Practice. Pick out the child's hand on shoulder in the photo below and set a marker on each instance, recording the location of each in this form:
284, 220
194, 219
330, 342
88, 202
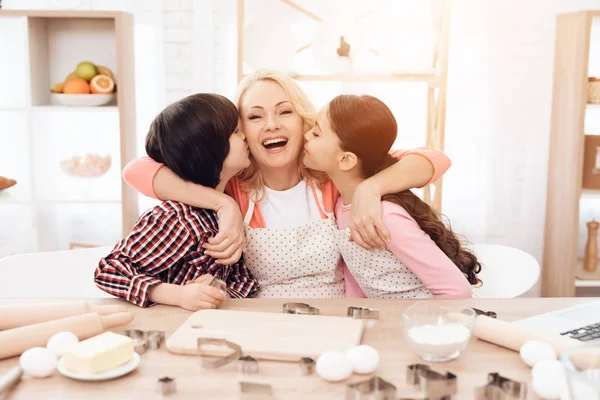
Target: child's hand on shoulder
198, 296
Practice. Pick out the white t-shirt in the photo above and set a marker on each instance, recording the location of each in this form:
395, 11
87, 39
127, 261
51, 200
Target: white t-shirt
289, 208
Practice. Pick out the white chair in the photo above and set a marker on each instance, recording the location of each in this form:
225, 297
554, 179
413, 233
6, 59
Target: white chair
55, 274
507, 271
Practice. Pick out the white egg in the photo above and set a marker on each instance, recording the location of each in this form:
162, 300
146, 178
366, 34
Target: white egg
333, 366
535, 351
62, 342
38, 362
364, 359
551, 369
548, 389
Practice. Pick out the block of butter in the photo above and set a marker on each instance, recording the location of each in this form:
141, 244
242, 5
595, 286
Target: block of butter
99, 354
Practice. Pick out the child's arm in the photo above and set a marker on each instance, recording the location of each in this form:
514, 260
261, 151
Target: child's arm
423, 257
415, 168
193, 297
155, 180
158, 242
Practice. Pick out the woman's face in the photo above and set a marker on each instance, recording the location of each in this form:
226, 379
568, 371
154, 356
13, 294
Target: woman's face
238, 157
274, 130
322, 148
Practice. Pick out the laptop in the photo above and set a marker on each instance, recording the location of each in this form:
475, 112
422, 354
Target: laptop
581, 322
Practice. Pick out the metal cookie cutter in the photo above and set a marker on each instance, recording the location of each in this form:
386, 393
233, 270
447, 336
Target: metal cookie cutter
501, 388
299, 308
432, 384
363, 313
252, 390
219, 284
247, 365
144, 340
216, 362
307, 365
491, 314
166, 385
371, 389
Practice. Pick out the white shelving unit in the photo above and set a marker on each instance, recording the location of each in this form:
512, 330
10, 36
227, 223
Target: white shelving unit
48, 209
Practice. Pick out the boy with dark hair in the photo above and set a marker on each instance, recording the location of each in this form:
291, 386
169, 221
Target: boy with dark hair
163, 259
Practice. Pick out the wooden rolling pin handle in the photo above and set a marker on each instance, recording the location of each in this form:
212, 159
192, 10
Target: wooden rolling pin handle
12, 377
513, 337
117, 319
107, 309
14, 316
13, 342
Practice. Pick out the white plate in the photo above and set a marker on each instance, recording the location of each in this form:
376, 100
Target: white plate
82, 100
112, 374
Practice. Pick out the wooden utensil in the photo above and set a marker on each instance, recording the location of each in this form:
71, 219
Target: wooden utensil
15, 341
590, 260
271, 336
13, 316
513, 336
12, 377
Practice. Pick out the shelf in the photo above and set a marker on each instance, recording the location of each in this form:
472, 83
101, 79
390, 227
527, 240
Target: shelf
422, 76
428, 75
56, 108
586, 279
587, 283
590, 194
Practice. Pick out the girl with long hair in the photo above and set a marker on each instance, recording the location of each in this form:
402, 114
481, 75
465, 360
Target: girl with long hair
350, 142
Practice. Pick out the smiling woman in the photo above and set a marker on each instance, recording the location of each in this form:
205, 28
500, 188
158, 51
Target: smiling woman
286, 208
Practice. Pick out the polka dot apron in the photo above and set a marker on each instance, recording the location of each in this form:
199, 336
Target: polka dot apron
301, 262
379, 273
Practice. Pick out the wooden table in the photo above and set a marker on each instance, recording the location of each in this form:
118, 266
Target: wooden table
194, 382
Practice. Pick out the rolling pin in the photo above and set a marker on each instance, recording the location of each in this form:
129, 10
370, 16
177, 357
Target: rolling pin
8, 381
513, 337
14, 316
15, 341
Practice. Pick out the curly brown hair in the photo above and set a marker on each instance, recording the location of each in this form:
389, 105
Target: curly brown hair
366, 127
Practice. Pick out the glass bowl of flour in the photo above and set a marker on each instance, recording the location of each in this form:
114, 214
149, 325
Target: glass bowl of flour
438, 333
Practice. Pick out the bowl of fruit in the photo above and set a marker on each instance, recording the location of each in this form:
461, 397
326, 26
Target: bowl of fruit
90, 85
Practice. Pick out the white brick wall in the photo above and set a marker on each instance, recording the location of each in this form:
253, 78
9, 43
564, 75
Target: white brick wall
178, 48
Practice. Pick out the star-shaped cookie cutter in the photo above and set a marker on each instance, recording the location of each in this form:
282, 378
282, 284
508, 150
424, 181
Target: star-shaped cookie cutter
499, 387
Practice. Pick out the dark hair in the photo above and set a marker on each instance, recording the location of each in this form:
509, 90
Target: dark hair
367, 128
191, 137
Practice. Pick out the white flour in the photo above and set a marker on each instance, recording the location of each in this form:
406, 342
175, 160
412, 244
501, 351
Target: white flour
439, 340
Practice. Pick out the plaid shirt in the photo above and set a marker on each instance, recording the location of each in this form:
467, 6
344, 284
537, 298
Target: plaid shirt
165, 246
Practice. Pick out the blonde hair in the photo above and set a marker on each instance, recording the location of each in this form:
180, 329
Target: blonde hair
251, 178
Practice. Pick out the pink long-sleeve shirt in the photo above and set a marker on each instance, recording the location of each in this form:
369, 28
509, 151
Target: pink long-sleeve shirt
415, 249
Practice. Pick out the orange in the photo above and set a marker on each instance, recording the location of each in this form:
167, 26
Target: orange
72, 75
102, 84
76, 86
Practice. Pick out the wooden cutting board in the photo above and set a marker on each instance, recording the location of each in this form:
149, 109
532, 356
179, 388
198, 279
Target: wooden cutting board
270, 336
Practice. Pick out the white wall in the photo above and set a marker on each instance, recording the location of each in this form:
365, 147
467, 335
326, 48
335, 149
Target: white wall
499, 109
499, 98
